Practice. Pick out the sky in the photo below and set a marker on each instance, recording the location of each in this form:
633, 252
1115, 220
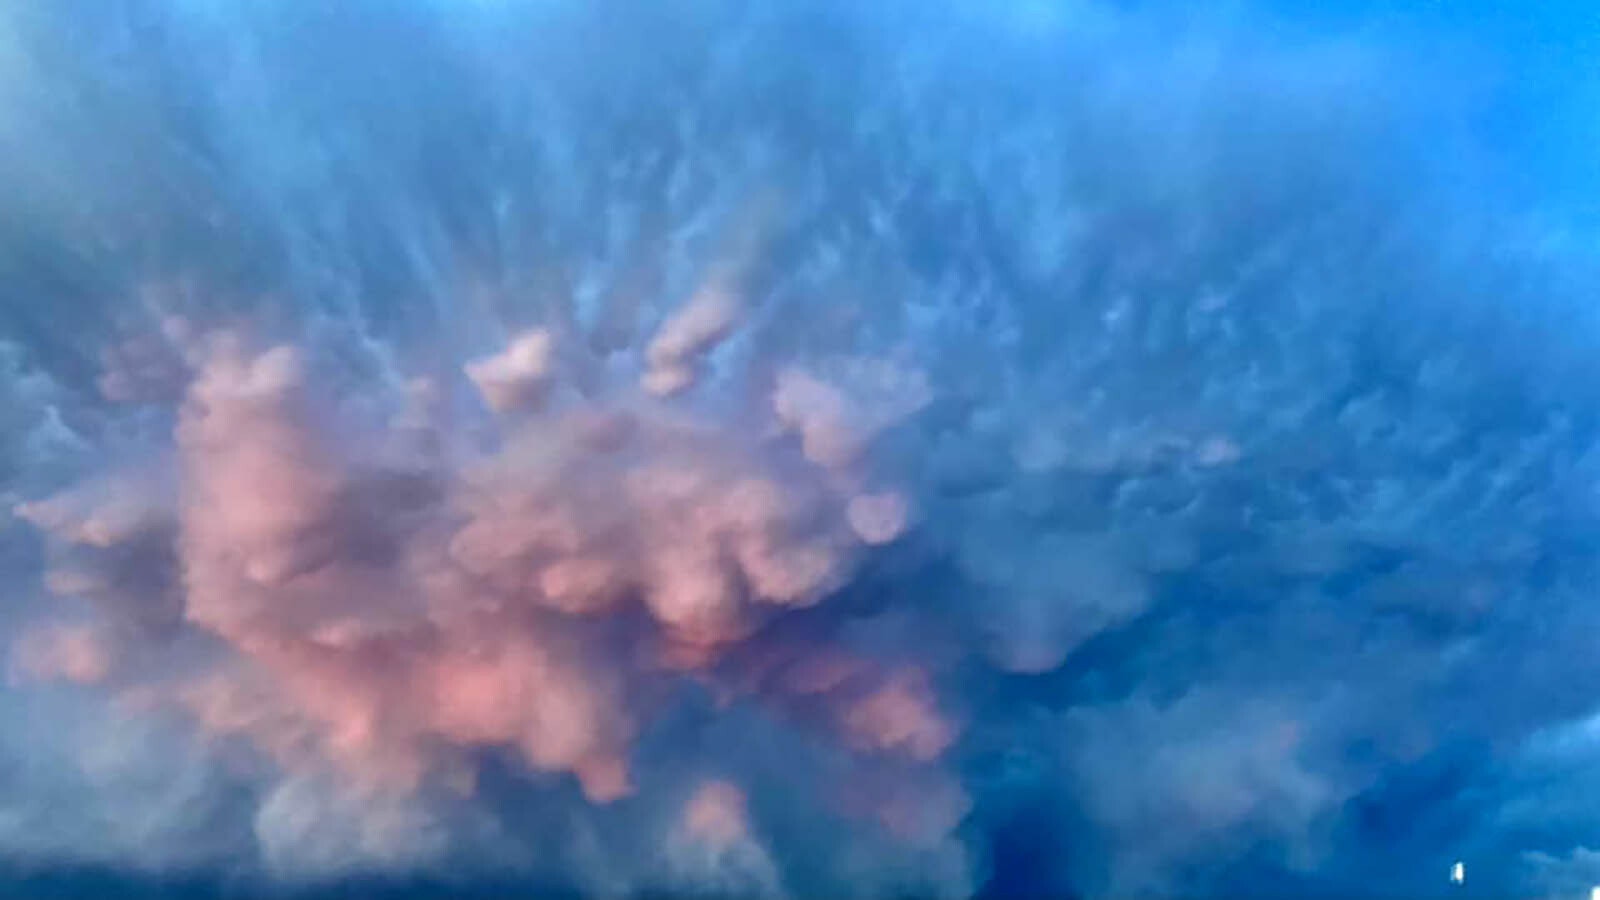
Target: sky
1055, 448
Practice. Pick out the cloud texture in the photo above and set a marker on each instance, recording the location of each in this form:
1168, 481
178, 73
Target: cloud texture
762, 450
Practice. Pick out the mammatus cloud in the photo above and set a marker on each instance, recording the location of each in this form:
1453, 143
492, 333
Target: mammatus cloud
726, 448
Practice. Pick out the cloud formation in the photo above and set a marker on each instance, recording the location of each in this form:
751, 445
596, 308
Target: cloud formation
740, 449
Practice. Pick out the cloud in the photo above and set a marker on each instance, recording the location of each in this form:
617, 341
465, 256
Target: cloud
777, 451
515, 378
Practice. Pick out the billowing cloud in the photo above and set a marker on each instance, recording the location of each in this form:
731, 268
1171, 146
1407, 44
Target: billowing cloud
752, 450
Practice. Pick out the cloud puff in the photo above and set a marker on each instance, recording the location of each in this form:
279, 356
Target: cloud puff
517, 377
